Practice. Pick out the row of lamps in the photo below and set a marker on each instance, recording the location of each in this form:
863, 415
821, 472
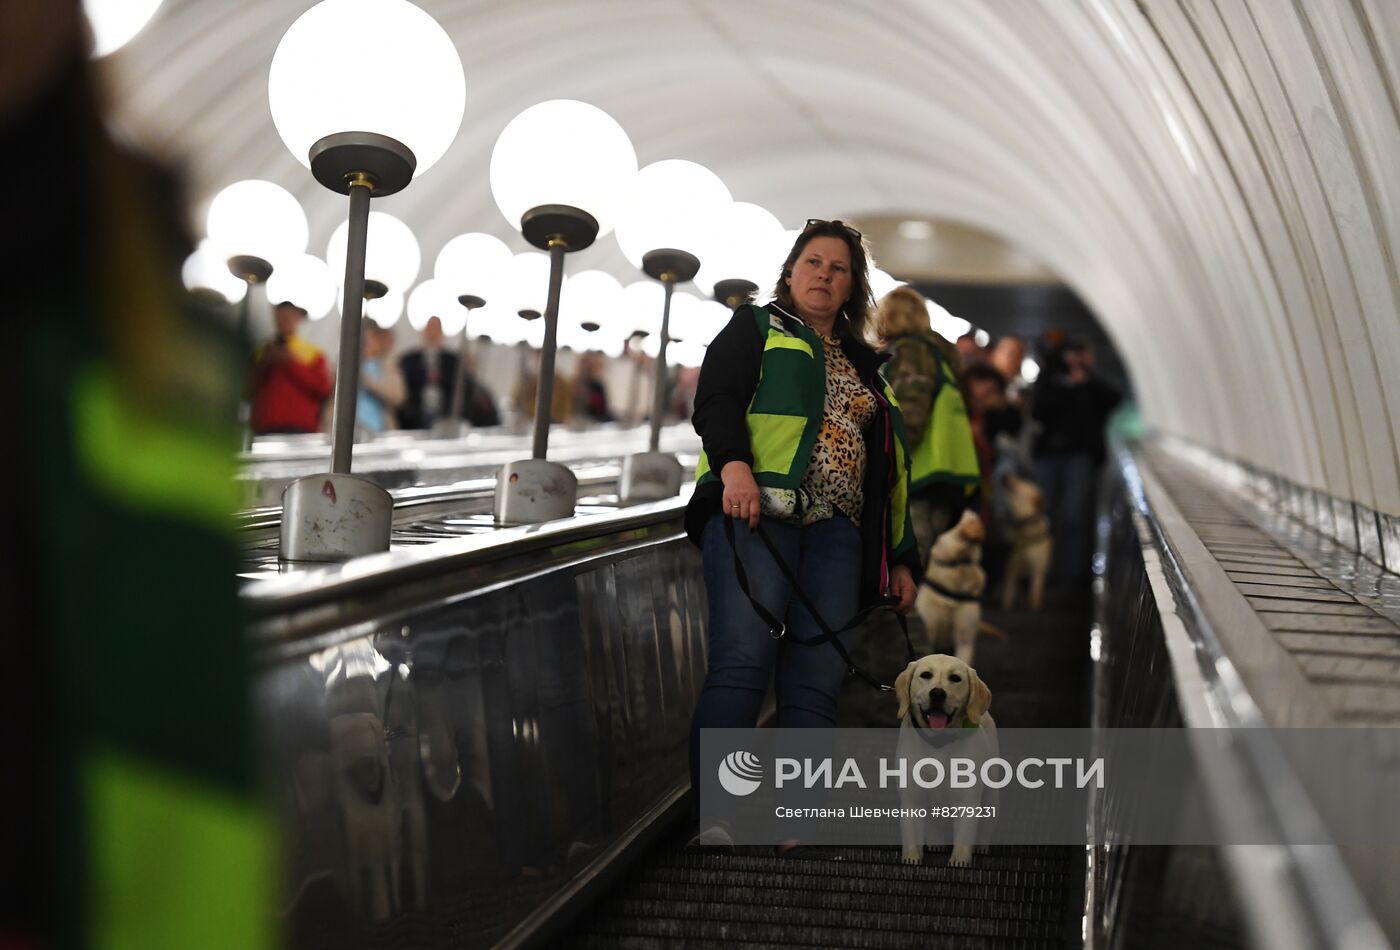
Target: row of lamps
668, 217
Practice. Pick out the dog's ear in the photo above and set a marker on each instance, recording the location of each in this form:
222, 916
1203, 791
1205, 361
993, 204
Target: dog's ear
901, 689
981, 699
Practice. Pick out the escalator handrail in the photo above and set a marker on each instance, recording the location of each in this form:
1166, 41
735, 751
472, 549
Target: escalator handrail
1316, 877
364, 577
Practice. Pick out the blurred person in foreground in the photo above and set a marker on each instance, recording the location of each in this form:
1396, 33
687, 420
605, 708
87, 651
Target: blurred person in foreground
802, 437
132, 813
290, 380
1072, 405
923, 372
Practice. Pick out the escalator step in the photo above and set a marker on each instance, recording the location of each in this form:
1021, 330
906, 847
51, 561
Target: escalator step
757, 925
1038, 904
998, 920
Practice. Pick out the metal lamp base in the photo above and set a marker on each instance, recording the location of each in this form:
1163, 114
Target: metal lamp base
576, 227
667, 263
248, 268
734, 292
534, 490
389, 162
334, 518
650, 476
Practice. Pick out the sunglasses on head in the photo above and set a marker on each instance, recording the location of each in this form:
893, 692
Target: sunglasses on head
813, 222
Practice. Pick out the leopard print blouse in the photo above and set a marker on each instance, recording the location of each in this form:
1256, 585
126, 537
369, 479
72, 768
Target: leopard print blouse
834, 474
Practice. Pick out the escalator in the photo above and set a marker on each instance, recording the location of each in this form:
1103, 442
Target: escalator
1011, 897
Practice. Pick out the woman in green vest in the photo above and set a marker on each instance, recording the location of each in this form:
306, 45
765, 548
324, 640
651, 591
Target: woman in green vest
923, 371
802, 436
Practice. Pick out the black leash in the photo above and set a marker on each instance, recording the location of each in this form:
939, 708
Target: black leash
777, 629
951, 595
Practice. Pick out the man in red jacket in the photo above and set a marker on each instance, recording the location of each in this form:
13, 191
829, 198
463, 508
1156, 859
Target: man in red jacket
290, 378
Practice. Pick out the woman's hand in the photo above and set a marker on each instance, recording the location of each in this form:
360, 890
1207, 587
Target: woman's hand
902, 586
740, 493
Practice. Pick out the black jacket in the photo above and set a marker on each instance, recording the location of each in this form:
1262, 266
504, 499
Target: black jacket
479, 408
728, 378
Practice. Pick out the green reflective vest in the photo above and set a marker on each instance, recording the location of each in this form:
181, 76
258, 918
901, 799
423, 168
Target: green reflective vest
786, 412
947, 452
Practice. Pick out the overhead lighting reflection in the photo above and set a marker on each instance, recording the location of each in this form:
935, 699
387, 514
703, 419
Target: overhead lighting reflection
915, 230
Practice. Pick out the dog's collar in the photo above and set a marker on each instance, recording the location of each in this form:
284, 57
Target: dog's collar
940, 737
938, 588
961, 562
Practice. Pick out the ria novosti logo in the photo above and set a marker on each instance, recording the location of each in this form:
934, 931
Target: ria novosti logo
740, 773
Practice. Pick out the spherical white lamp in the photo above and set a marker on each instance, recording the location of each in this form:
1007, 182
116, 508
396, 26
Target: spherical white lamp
530, 171
743, 260
205, 270
392, 256
352, 78
672, 205
116, 22
433, 298
639, 308
697, 321
527, 279
593, 300
306, 281
385, 310
257, 225
498, 322
474, 264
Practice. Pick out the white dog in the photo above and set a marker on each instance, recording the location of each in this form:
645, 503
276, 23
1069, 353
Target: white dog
949, 600
943, 715
1030, 541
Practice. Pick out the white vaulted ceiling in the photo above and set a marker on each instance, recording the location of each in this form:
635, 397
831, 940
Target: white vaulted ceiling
1218, 180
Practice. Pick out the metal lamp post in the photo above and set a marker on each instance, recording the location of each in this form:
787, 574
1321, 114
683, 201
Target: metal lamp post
673, 211
363, 147
560, 207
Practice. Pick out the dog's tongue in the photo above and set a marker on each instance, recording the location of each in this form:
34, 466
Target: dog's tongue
937, 720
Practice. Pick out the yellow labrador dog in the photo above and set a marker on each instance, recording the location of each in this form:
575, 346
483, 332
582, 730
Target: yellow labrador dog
943, 715
1030, 541
949, 600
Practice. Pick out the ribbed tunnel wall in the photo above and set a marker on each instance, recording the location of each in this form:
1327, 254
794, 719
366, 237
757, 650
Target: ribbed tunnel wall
1216, 179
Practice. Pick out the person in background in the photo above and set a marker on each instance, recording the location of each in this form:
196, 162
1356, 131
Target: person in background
1006, 356
381, 384
804, 441
430, 380
1072, 405
589, 393
561, 400
970, 350
924, 375
290, 379
133, 813
429, 373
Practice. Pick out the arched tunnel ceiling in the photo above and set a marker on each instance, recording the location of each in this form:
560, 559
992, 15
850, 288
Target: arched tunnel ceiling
1216, 179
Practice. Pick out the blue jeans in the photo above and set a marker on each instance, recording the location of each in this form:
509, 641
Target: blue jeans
743, 657
1068, 483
